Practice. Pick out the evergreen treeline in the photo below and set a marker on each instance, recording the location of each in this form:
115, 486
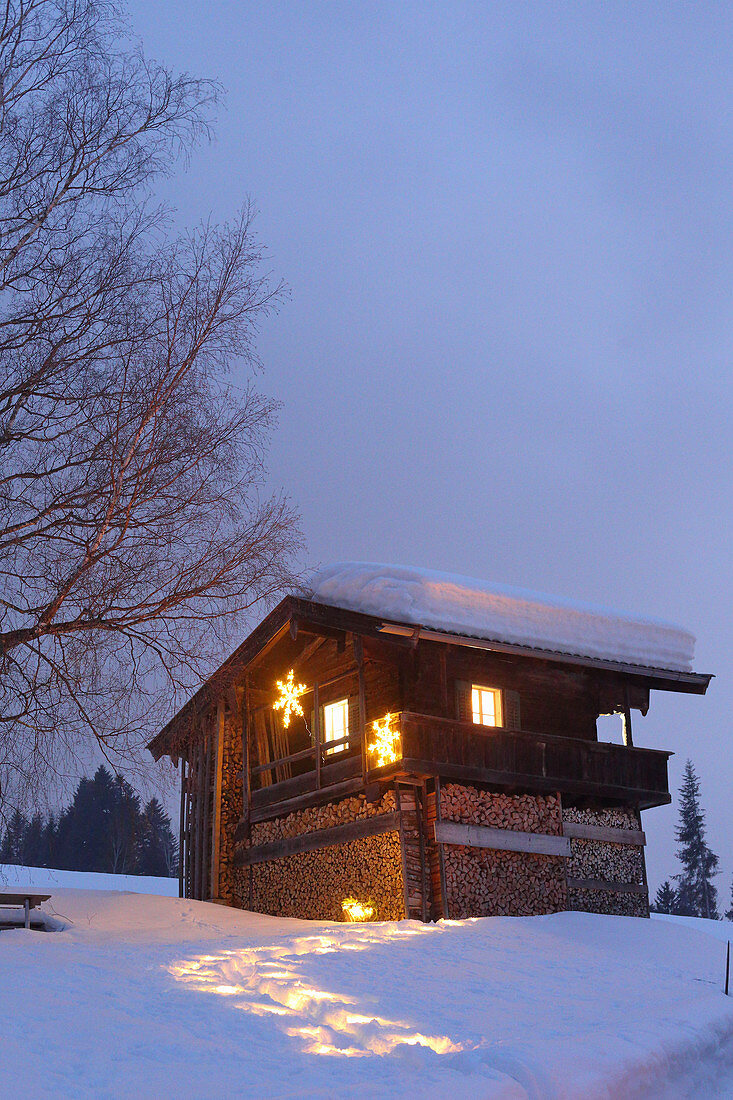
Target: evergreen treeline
694, 895
104, 829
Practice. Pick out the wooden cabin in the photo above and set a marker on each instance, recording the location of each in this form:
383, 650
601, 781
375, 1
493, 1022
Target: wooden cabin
435, 758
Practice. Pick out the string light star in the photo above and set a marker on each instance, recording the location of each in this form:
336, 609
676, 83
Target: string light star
290, 693
386, 744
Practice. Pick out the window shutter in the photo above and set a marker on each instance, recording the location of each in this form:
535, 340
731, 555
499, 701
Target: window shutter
512, 719
464, 710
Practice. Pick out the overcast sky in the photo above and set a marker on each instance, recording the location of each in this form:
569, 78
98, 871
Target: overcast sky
506, 229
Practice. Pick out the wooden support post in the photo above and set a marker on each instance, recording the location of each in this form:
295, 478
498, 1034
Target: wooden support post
27, 908
628, 736
727, 968
181, 828
185, 854
359, 654
216, 794
317, 734
443, 669
199, 813
206, 830
245, 752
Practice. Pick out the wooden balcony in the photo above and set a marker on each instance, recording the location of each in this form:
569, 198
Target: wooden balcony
531, 761
466, 753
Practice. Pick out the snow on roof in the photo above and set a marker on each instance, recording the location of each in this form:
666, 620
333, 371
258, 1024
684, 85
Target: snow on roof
515, 616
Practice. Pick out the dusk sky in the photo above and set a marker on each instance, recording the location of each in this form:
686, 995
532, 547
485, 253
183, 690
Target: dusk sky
506, 230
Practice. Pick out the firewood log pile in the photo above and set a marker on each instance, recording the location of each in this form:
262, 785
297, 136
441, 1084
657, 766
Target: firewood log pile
485, 882
481, 882
602, 901
321, 817
231, 807
524, 813
609, 862
314, 884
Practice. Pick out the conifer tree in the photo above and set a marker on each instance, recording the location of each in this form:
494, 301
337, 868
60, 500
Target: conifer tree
666, 899
696, 895
729, 912
11, 849
158, 847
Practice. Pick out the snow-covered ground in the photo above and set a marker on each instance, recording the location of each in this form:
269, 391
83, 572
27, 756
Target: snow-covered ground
43, 880
149, 996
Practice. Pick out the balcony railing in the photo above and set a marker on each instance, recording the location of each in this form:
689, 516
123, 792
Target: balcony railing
464, 752
461, 750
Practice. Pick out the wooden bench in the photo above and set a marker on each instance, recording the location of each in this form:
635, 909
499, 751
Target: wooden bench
23, 899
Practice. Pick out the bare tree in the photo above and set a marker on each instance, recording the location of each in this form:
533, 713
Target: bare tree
134, 529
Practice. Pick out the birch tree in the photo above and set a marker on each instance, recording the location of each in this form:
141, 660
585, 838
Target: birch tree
135, 532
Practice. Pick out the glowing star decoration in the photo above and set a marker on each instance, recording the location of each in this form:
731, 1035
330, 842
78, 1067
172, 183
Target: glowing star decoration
386, 744
356, 910
290, 693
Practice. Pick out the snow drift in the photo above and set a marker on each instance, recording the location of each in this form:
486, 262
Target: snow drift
514, 616
146, 996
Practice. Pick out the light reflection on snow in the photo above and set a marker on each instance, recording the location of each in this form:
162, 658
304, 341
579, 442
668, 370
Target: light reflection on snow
265, 982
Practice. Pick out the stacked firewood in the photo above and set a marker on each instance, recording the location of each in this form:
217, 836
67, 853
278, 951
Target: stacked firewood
524, 813
321, 817
231, 807
486, 882
315, 884
613, 903
612, 817
481, 882
606, 861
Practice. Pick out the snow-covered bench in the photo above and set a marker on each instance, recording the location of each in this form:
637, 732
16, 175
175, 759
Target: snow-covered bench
21, 899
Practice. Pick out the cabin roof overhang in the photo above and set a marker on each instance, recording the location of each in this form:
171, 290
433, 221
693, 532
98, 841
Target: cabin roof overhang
294, 614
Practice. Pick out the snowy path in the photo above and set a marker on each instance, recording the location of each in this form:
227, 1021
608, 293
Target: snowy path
150, 996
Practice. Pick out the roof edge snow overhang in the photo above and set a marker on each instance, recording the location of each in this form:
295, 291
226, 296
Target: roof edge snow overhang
303, 611
695, 683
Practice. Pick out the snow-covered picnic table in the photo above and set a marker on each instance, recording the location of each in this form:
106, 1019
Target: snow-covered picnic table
18, 899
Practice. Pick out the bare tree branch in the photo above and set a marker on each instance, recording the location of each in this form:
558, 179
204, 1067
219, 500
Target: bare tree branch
134, 533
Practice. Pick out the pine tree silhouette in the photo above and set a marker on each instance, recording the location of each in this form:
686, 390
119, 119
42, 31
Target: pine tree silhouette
666, 899
11, 849
696, 895
158, 847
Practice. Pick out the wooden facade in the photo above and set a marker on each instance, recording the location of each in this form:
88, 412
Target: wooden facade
264, 806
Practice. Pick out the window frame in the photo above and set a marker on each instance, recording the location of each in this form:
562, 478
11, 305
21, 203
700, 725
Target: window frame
498, 706
342, 704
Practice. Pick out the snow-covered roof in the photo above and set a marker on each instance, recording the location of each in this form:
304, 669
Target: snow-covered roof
514, 616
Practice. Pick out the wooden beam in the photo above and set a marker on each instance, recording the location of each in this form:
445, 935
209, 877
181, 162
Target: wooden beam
317, 734
268, 810
181, 826
628, 736
523, 781
206, 833
579, 831
503, 840
216, 825
359, 654
605, 886
322, 838
245, 752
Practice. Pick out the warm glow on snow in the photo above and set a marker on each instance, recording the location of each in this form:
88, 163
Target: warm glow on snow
266, 981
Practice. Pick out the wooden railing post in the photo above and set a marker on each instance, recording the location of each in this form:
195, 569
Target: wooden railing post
317, 735
359, 654
182, 827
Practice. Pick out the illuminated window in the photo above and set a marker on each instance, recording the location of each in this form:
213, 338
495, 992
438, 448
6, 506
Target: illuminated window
486, 705
335, 725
